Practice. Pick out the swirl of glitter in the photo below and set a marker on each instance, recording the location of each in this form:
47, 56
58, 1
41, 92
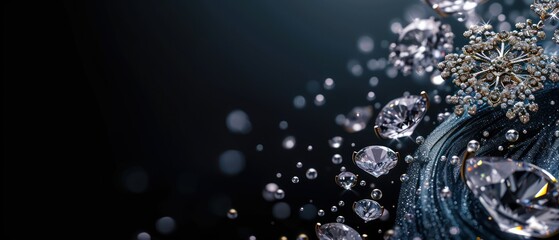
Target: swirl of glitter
501, 69
436, 204
421, 45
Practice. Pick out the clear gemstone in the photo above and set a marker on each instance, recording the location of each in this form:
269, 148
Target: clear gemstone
453, 7
522, 198
368, 209
357, 119
420, 46
346, 180
400, 117
336, 231
376, 160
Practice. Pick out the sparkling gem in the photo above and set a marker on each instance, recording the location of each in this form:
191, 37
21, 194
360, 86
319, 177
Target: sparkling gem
376, 160
336, 231
337, 159
335, 142
420, 46
367, 209
346, 180
311, 174
457, 8
400, 117
376, 194
357, 119
512, 135
521, 198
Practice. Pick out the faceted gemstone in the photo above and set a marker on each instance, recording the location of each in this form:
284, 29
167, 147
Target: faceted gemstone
368, 209
453, 7
376, 160
522, 198
357, 119
336, 231
421, 45
346, 180
400, 117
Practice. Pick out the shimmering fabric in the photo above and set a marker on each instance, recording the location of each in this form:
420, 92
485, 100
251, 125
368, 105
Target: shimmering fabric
424, 212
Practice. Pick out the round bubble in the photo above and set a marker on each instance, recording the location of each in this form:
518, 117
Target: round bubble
231, 162
309, 212
281, 210
135, 180
165, 225
238, 122
144, 236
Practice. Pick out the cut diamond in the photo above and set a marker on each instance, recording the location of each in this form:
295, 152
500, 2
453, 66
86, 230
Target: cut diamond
346, 180
522, 198
376, 160
368, 209
400, 117
336, 231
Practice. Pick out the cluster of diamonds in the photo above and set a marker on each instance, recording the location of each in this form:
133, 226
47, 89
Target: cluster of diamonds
502, 69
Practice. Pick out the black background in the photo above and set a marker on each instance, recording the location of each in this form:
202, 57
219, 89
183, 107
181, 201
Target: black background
94, 88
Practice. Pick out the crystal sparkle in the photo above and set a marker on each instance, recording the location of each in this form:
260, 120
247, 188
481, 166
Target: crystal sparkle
336, 231
368, 209
376, 160
400, 117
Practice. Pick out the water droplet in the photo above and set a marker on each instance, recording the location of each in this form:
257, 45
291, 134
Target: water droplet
443, 158
342, 169
302, 236
500, 148
334, 209
321, 213
329, 84
337, 159
279, 194
309, 148
336, 142
454, 160
419, 140
376, 194
404, 177
373, 81
341, 203
454, 231
319, 100
346, 180
371, 96
485, 133
340, 219
278, 175
512, 135
311, 174
556, 133
299, 102
283, 125
238, 122
165, 225
259, 147
232, 213
299, 165
445, 192
408, 159
288, 142
281, 210
231, 162
295, 179
473, 146
357, 119
362, 183
365, 44
143, 236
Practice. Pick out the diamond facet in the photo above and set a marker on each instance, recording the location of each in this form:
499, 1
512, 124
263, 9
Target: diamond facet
346, 180
522, 198
457, 8
376, 160
400, 117
336, 231
368, 209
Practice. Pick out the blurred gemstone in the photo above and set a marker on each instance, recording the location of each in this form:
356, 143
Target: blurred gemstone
367, 209
357, 119
522, 198
376, 160
346, 180
453, 7
420, 46
400, 117
336, 231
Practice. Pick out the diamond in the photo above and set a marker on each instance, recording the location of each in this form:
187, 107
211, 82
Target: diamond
336, 231
357, 119
457, 8
368, 209
420, 46
346, 180
522, 198
400, 117
375, 160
